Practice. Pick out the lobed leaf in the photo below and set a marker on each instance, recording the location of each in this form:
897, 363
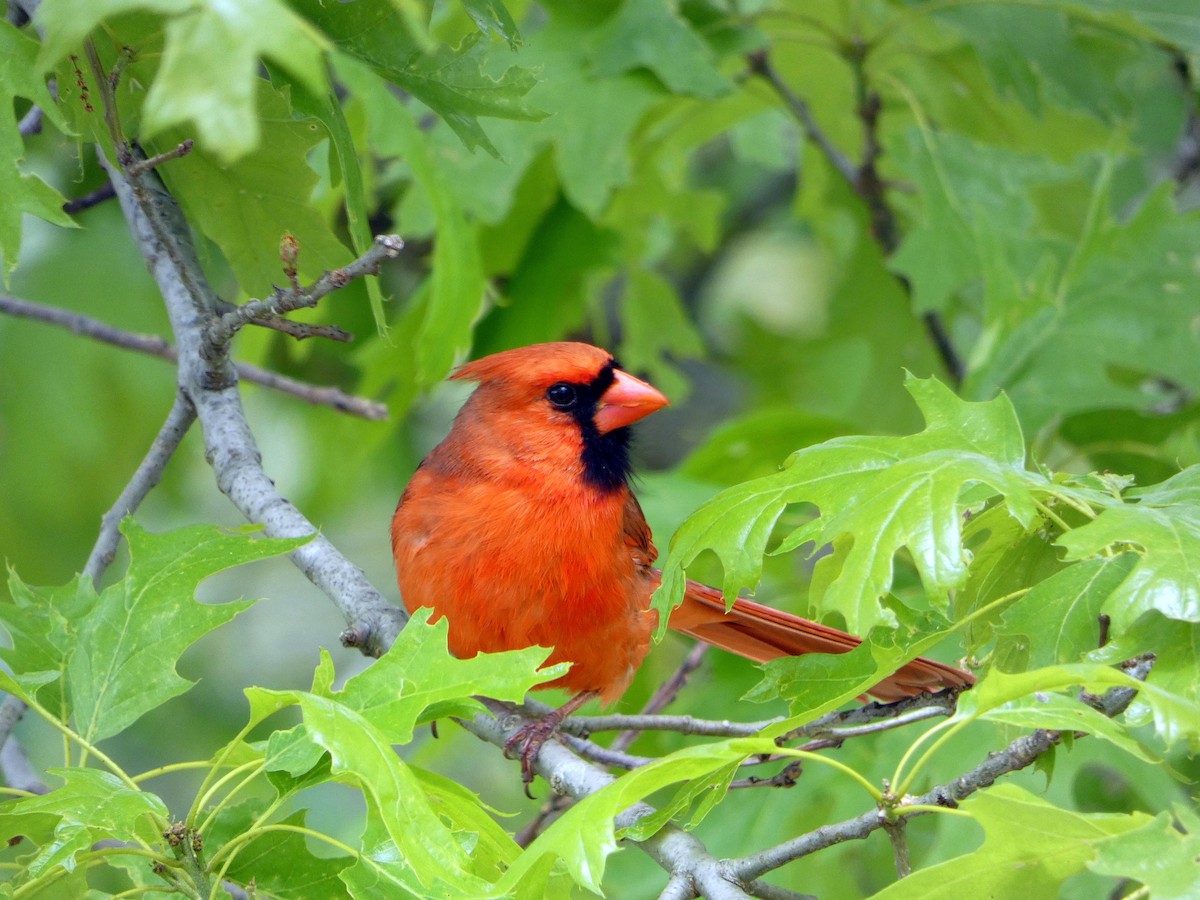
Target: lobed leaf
876, 496
1163, 528
22, 192
1030, 848
89, 806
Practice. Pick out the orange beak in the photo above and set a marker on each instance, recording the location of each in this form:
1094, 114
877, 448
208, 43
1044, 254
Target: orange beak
626, 400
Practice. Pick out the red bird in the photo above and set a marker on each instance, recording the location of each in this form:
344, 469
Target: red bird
521, 529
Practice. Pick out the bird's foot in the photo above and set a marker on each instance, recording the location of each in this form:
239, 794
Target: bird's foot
530, 738
527, 743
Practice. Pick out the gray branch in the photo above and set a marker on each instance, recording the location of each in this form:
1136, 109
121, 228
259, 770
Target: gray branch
1022, 752
154, 345
148, 474
680, 853
209, 380
222, 330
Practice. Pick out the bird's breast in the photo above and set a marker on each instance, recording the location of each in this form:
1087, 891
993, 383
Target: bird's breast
513, 567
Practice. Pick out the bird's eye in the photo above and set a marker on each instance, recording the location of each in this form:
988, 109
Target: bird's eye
562, 395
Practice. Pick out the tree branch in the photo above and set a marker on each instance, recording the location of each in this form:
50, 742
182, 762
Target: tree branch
1022, 752
148, 474
222, 330
680, 853
210, 382
87, 201
11, 710
18, 772
864, 178
665, 694
154, 345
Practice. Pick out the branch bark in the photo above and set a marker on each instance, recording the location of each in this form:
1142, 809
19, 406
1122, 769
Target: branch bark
153, 345
1022, 752
210, 382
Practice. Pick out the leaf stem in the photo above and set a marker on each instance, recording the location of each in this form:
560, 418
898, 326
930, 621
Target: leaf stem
256, 765
875, 793
218, 764
88, 748
1052, 516
174, 767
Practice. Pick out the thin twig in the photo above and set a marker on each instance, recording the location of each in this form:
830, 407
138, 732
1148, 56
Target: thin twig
665, 694
87, 201
140, 166
148, 474
1022, 752
153, 345
221, 331
605, 756
772, 892
550, 811
870, 718
680, 724
863, 178
760, 65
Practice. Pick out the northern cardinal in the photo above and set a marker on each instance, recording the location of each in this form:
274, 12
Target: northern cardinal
521, 529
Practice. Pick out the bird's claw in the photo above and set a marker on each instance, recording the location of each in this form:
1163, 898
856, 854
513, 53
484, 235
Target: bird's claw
527, 743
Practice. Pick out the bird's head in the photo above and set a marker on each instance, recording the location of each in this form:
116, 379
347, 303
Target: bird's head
571, 393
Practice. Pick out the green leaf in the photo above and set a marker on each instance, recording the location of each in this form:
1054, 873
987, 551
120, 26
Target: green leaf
1110, 327
551, 286
1176, 716
412, 840
591, 139
452, 82
753, 444
651, 34
817, 683
457, 291
1067, 714
880, 494
1031, 848
418, 675
43, 625
585, 835
67, 23
209, 69
328, 109
974, 198
1165, 530
210, 62
1058, 620
1041, 57
657, 327
493, 17
1173, 24
123, 664
1160, 855
278, 862
245, 207
20, 77
90, 806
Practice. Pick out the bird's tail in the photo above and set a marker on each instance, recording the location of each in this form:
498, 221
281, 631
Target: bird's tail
761, 633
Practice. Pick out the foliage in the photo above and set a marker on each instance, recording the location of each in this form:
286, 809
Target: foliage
772, 209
